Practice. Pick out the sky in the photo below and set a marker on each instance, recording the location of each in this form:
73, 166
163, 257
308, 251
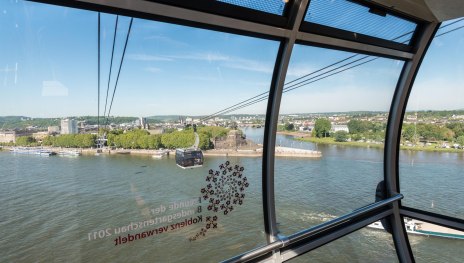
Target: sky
49, 68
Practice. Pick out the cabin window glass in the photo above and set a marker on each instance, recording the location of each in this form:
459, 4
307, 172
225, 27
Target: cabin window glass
331, 133
365, 245
276, 7
357, 18
131, 202
432, 141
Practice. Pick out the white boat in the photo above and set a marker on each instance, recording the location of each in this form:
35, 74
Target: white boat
160, 154
417, 227
70, 153
35, 151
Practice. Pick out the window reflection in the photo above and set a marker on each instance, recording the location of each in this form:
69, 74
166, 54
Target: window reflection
333, 113
431, 162
365, 245
118, 194
431, 242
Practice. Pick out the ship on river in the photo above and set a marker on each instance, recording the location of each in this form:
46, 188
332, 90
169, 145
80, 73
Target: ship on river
417, 227
32, 150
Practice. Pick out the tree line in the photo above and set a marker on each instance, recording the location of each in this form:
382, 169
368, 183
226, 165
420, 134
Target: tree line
358, 130
141, 139
134, 139
451, 132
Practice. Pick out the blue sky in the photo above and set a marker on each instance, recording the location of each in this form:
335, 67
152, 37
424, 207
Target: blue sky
48, 68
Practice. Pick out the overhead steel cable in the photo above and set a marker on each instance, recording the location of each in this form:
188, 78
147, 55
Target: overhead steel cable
449, 31
111, 63
261, 94
344, 65
260, 97
98, 110
321, 76
264, 95
452, 23
297, 79
120, 66
340, 71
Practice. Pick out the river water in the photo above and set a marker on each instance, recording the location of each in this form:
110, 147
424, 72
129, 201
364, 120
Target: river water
57, 209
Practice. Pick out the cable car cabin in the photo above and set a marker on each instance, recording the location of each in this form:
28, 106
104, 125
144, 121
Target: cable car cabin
189, 158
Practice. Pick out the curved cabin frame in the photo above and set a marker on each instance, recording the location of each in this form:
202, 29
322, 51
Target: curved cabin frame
290, 28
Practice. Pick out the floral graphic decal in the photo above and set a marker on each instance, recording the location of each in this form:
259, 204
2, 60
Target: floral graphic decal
225, 190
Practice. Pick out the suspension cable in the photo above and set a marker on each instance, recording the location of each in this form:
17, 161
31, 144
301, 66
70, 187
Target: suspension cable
98, 110
119, 71
260, 97
111, 63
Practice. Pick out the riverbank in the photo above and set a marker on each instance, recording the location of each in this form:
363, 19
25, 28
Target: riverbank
295, 134
279, 152
331, 141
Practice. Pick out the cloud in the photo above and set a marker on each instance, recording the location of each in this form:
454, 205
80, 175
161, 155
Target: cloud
146, 57
208, 56
249, 65
166, 40
223, 60
298, 70
437, 43
200, 78
52, 88
153, 69
8, 69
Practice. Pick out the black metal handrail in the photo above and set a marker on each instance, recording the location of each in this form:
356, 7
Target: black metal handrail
285, 241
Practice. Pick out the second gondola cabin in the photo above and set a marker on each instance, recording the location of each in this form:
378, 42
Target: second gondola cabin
189, 158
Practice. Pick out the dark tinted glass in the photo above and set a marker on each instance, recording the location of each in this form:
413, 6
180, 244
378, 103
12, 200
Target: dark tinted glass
350, 16
269, 6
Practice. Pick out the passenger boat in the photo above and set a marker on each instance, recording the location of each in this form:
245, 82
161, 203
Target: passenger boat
35, 151
417, 227
71, 153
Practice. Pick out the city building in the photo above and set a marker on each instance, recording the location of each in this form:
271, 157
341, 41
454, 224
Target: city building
338, 127
53, 129
7, 136
69, 126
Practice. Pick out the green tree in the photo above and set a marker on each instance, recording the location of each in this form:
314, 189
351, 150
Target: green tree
289, 127
25, 141
341, 136
322, 128
460, 140
357, 126
409, 132
356, 137
457, 128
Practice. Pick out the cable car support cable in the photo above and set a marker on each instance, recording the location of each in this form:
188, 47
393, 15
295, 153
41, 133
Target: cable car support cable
119, 71
111, 64
263, 96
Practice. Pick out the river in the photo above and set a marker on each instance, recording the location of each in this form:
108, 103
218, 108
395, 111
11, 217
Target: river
57, 209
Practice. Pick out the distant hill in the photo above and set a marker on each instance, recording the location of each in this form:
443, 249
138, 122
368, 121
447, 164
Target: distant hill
21, 122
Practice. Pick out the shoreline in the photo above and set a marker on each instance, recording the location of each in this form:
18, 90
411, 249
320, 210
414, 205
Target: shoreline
279, 152
329, 141
295, 134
